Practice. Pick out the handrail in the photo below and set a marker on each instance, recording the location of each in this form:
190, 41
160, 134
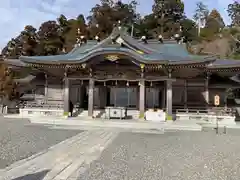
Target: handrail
218, 111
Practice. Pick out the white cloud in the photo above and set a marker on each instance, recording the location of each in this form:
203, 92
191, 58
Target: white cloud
15, 15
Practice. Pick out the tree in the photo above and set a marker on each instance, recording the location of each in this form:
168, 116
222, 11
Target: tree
200, 15
234, 13
167, 15
235, 43
6, 82
63, 28
189, 30
13, 48
29, 41
146, 26
214, 22
107, 14
71, 35
51, 42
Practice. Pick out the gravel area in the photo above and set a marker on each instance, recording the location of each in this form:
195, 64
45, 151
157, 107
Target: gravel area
169, 156
19, 139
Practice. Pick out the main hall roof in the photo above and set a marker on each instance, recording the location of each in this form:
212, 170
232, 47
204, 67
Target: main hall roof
169, 52
152, 52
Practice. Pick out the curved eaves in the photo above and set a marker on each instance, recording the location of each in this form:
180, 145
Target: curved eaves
224, 63
235, 78
14, 62
132, 42
185, 61
81, 58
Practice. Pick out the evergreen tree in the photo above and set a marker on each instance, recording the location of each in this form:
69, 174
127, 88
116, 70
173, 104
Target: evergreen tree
189, 30
29, 41
201, 14
109, 13
51, 42
167, 16
234, 13
214, 22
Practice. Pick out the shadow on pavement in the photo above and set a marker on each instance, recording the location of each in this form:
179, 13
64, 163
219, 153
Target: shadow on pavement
35, 176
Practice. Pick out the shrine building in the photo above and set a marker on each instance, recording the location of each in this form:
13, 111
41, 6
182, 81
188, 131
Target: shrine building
121, 71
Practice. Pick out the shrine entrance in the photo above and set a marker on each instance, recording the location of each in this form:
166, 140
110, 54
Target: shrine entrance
115, 94
123, 97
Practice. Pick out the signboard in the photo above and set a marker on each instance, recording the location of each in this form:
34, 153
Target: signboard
216, 100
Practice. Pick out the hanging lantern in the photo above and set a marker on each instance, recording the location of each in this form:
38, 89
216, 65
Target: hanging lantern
127, 83
151, 84
104, 83
116, 83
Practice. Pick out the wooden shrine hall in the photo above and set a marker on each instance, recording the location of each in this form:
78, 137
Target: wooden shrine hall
121, 71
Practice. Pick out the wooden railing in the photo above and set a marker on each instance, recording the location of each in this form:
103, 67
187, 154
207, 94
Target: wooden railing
215, 110
205, 114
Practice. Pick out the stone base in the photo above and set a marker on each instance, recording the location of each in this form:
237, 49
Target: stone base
223, 120
40, 112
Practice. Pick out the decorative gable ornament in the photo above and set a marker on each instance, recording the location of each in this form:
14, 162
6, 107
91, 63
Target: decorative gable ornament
97, 38
119, 40
160, 38
112, 57
144, 39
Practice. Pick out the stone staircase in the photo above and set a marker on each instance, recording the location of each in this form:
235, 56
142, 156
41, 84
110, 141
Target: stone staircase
131, 114
83, 114
100, 113
96, 113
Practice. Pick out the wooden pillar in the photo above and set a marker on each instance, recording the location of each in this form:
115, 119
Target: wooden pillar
169, 96
66, 96
138, 95
185, 93
206, 89
46, 88
90, 97
163, 97
142, 98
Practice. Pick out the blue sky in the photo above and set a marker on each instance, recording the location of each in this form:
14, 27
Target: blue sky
15, 14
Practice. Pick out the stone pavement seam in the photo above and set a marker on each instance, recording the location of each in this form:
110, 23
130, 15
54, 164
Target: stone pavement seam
66, 158
45, 156
77, 172
20, 162
88, 156
72, 159
79, 159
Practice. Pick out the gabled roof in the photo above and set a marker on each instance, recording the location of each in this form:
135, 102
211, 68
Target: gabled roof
169, 52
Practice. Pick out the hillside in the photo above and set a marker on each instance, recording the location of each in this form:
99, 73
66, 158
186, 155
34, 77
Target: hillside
224, 44
220, 47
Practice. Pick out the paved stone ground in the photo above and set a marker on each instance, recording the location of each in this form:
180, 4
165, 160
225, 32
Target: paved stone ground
19, 139
169, 156
61, 161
